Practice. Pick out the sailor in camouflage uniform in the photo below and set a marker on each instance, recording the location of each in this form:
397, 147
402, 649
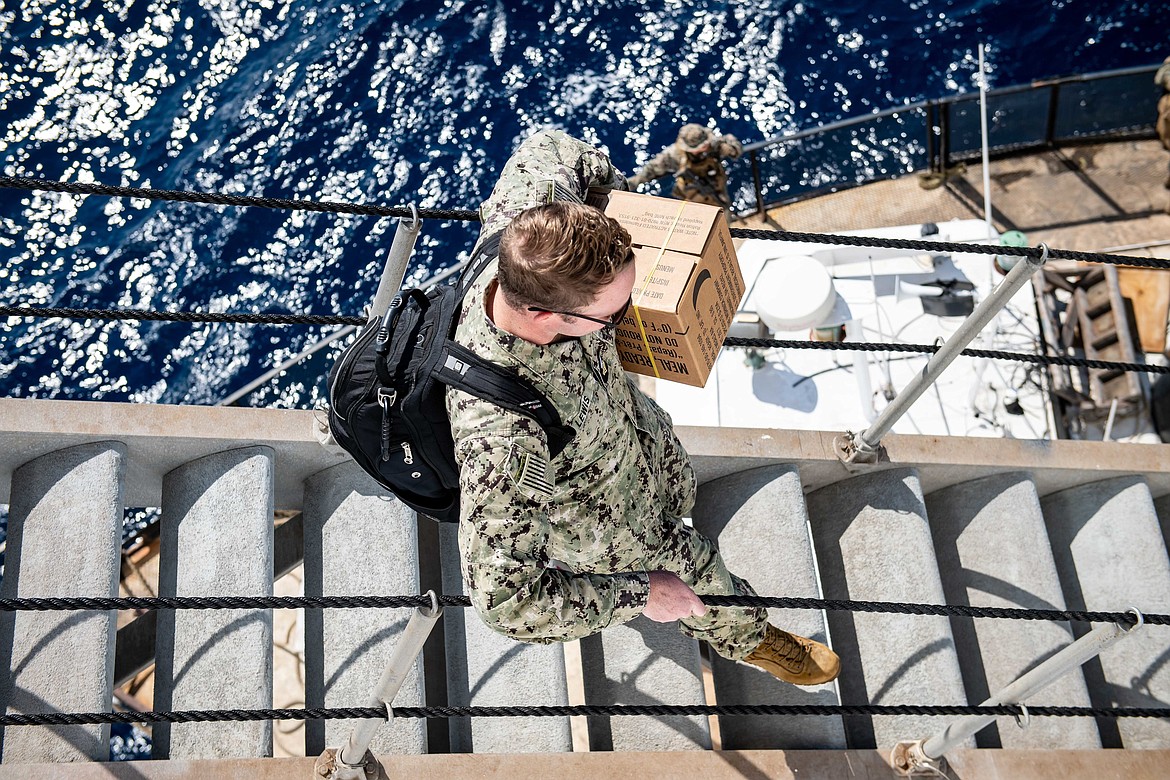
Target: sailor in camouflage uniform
695, 161
558, 548
1162, 124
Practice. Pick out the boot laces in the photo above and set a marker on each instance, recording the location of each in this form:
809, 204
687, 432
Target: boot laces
785, 646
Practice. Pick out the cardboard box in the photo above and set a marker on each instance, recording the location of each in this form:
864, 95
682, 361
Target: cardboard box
687, 288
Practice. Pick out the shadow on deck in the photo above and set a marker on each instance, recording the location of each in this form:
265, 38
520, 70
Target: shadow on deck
1088, 198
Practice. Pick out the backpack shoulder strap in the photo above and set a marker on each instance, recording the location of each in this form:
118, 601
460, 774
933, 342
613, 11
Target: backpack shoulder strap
464, 370
488, 250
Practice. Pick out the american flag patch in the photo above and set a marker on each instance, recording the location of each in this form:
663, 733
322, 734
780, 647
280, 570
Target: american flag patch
535, 473
559, 191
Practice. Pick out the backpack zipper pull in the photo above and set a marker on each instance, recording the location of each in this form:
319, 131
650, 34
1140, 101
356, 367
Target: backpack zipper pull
386, 399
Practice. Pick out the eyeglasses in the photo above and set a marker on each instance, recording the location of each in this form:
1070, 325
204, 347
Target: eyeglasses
612, 321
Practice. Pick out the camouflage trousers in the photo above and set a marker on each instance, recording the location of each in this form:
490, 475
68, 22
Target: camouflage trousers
733, 632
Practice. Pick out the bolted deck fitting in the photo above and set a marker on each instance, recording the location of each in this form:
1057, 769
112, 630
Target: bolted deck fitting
329, 765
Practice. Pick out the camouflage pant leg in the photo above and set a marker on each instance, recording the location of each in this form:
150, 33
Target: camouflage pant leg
732, 632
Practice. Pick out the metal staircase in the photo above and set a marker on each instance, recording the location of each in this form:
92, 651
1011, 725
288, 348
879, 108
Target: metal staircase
965, 521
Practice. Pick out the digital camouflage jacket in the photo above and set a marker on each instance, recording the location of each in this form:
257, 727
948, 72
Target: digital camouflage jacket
697, 178
557, 549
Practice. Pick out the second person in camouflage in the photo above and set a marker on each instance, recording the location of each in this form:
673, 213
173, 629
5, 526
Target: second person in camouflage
555, 549
695, 161
1162, 123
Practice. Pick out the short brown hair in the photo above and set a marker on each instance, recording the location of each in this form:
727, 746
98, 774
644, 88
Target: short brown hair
558, 256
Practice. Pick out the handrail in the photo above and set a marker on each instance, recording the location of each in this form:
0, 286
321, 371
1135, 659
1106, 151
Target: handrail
937, 114
838, 125
394, 270
958, 98
353, 760
920, 757
865, 447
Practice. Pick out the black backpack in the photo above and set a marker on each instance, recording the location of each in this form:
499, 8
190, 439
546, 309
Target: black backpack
387, 394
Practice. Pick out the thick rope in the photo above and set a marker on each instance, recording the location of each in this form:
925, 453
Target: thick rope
950, 247
221, 199
733, 341
942, 247
778, 709
1023, 357
179, 316
346, 713
378, 602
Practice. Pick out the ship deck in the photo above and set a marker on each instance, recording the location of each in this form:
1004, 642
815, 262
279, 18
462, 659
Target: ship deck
1096, 197
1100, 198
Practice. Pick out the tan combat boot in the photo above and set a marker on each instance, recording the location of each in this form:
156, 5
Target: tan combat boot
795, 659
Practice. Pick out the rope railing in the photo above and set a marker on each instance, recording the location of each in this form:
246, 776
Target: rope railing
421, 601
1021, 357
732, 341
226, 199
223, 199
81, 603
32, 183
949, 247
49, 312
569, 710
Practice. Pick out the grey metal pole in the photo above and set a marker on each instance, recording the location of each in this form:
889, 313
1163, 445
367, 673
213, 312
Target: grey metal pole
1089, 646
396, 261
350, 761
863, 447
756, 182
345, 330
922, 754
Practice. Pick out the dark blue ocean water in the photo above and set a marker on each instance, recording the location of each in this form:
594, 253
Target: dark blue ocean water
391, 103
398, 102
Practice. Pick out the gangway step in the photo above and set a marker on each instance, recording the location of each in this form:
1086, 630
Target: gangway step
64, 535
759, 520
993, 551
216, 539
873, 543
1110, 554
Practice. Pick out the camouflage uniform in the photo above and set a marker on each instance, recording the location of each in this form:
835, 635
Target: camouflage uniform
557, 549
1162, 79
700, 179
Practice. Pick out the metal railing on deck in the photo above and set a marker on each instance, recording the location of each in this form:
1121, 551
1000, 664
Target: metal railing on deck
935, 135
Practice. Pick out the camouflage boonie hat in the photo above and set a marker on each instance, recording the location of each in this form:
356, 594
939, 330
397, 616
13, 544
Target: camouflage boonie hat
692, 136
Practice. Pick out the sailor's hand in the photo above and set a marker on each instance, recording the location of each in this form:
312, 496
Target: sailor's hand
671, 599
